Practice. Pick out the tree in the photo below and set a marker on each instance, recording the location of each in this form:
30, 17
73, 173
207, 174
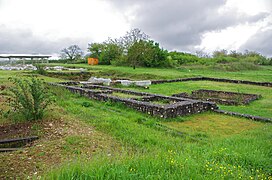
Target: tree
146, 53
96, 49
136, 54
132, 36
117, 50
105, 52
111, 52
71, 53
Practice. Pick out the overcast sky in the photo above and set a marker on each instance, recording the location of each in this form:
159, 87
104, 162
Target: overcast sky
47, 26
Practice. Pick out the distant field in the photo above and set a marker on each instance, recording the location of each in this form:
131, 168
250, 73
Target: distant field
104, 140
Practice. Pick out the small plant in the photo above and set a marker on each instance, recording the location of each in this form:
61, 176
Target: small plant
40, 69
86, 104
29, 97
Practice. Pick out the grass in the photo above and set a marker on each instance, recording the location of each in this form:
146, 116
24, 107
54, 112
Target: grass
232, 143
124, 95
213, 125
262, 75
210, 146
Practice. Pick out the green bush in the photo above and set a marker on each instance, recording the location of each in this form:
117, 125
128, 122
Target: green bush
29, 98
183, 58
40, 69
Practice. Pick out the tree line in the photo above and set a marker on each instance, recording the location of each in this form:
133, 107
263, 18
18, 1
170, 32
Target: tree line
136, 49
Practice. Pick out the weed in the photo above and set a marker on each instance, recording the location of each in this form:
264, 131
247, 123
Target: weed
30, 98
86, 104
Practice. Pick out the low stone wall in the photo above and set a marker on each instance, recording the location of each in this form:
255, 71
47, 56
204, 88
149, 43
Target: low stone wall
150, 95
180, 108
69, 83
268, 84
248, 116
221, 97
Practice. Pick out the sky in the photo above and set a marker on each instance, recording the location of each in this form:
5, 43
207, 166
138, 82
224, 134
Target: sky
48, 26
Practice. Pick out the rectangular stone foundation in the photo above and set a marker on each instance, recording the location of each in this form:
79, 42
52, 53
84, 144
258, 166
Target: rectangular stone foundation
221, 97
173, 107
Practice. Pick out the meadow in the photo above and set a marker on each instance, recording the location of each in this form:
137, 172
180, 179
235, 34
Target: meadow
90, 139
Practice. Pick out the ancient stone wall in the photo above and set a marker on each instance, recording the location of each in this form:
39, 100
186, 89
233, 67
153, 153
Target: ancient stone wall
268, 84
178, 107
221, 97
175, 107
248, 116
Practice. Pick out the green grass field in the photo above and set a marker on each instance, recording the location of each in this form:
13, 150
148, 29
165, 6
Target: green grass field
137, 146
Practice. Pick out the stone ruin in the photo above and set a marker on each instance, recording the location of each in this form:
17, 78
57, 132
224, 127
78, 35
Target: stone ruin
171, 106
221, 97
153, 104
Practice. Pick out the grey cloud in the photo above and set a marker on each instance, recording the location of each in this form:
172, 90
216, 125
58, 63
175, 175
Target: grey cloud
260, 42
24, 41
181, 24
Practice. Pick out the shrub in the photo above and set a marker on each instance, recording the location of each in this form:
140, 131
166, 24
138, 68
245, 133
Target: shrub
183, 58
40, 69
29, 97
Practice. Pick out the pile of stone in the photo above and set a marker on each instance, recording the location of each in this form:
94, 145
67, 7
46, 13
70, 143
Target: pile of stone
61, 68
54, 68
144, 83
95, 80
107, 81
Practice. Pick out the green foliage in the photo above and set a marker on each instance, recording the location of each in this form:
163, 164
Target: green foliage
86, 104
111, 53
221, 57
30, 98
134, 49
96, 49
106, 52
40, 69
147, 54
183, 58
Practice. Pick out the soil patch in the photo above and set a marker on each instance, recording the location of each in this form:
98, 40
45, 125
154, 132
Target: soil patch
60, 141
8, 131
